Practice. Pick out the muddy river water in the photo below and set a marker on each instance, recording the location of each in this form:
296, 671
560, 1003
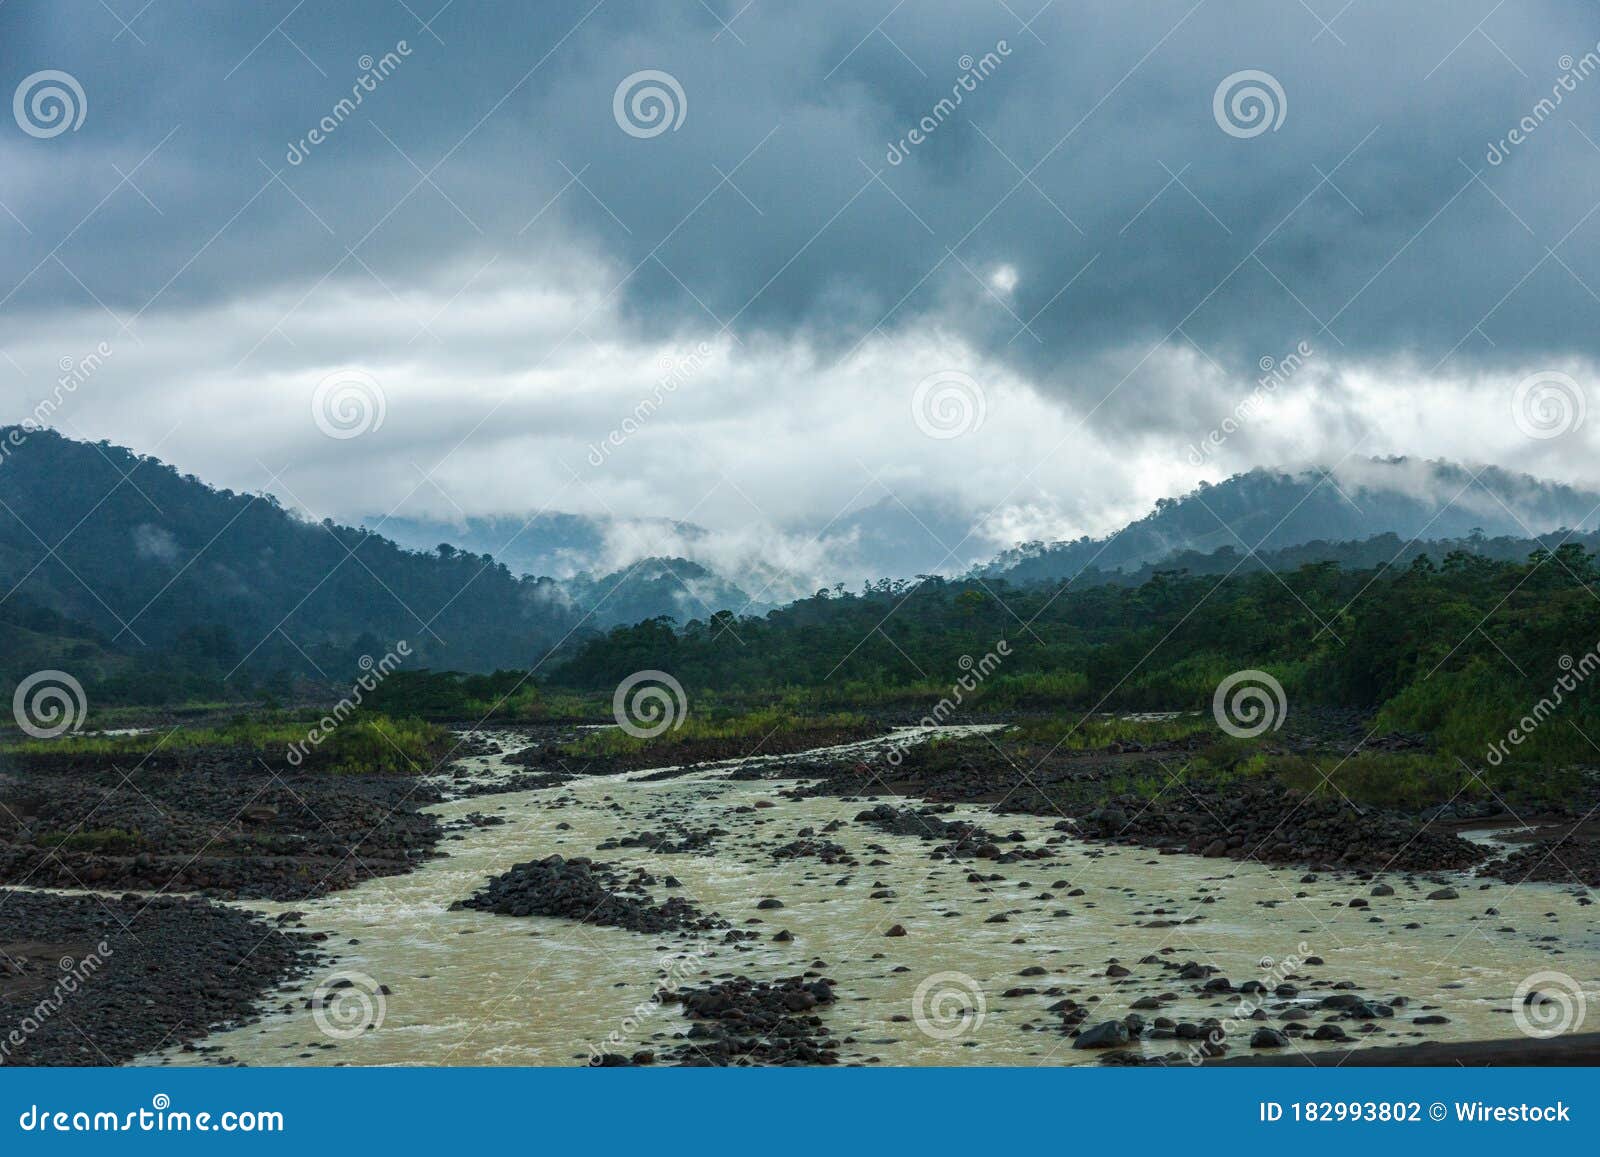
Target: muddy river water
472, 988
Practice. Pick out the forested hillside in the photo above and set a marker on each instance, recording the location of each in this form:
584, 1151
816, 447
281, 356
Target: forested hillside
1462, 648
1271, 510
159, 587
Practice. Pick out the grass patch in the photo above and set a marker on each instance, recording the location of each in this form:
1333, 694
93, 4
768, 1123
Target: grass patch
502, 695
382, 745
362, 743
104, 841
751, 727
1101, 731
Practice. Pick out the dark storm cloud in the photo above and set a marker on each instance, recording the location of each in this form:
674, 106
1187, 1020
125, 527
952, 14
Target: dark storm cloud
1369, 221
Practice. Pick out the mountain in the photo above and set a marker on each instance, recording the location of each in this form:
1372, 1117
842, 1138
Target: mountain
651, 587
623, 570
150, 584
891, 537
887, 537
114, 566
1265, 510
549, 543
1271, 510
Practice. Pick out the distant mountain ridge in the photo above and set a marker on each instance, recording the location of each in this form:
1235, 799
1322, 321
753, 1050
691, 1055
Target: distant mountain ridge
114, 563
570, 548
551, 543
882, 538
1273, 510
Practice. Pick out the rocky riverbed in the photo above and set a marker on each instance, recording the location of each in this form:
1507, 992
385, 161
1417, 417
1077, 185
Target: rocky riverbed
946, 933
99, 980
590, 893
216, 823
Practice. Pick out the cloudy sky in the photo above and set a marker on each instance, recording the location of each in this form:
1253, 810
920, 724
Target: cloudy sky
758, 264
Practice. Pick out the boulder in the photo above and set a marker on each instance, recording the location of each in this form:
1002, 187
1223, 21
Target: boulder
1107, 1034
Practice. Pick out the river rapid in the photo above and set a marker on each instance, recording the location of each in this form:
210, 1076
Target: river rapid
472, 988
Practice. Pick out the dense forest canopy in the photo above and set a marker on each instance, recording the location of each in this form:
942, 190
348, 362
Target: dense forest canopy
1462, 648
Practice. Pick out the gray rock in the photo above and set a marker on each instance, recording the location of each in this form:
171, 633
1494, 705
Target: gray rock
1104, 1035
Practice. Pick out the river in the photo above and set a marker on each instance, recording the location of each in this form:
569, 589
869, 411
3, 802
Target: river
473, 988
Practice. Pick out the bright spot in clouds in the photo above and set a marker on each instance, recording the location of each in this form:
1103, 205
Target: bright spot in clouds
1003, 279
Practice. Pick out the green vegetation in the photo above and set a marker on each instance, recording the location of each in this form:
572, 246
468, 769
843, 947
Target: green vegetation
101, 841
170, 591
504, 696
1488, 655
366, 742
1077, 734
376, 743
748, 730
1410, 779
1463, 651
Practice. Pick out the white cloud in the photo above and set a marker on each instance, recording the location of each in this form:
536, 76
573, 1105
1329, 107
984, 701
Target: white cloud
499, 382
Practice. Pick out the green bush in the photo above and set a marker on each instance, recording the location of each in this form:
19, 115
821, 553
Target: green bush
105, 841
361, 742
